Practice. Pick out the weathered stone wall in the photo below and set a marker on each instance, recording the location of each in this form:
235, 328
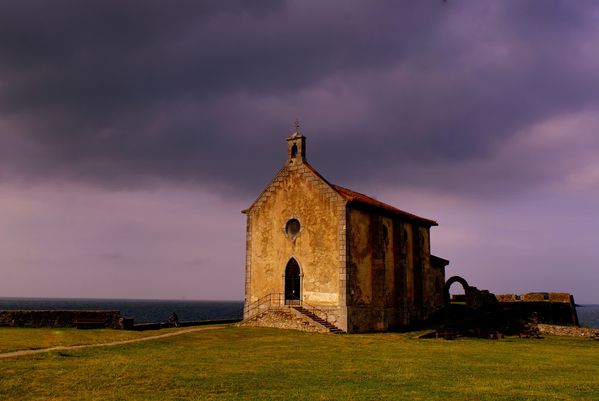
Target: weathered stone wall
368, 271
284, 319
391, 280
57, 318
390, 264
536, 297
316, 250
407, 244
428, 279
438, 282
546, 307
298, 192
361, 255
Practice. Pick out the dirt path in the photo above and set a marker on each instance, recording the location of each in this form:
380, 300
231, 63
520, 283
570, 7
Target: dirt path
134, 340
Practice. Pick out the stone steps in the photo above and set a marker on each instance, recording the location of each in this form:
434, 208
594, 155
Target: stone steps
332, 328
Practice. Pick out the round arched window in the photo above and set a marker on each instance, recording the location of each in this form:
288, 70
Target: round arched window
292, 228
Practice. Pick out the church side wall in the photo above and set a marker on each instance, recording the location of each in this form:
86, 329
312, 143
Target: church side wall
428, 287
423, 302
408, 239
388, 258
438, 277
391, 281
376, 268
297, 194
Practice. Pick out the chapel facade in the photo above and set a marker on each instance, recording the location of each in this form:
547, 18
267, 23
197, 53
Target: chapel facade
322, 257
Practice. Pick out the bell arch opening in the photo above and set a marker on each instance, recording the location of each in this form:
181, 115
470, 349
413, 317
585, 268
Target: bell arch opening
293, 283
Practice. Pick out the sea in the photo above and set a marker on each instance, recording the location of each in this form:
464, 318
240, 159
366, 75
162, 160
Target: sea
588, 315
152, 310
141, 310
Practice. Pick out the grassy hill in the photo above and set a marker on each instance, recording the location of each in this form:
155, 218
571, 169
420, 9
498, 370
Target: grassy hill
261, 364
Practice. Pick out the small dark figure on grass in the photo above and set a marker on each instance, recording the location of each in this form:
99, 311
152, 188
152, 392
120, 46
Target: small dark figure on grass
174, 319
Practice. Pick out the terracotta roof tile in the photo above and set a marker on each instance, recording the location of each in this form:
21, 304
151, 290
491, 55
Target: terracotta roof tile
353, 196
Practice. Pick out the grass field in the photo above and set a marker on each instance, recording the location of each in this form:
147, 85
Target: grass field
263, 364
16, 339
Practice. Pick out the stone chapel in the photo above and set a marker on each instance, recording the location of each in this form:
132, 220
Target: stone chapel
321, 257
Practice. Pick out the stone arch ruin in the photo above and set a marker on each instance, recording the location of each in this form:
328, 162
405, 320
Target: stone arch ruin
475, 298
449, 282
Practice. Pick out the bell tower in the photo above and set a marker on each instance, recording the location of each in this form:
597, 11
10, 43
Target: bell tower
296, 147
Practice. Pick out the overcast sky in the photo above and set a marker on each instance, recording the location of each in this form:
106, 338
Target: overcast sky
133, 133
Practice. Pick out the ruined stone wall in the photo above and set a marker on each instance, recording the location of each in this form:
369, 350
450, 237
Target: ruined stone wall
319, 248
544, 307
536, 297
57, 318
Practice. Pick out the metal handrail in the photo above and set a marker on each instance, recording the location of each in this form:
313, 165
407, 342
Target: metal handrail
258, 302
309, 307
269, 300
254, 305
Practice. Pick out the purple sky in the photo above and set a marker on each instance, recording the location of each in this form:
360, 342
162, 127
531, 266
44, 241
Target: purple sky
132, 134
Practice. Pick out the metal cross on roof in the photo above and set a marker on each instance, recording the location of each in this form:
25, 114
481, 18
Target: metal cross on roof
296, 124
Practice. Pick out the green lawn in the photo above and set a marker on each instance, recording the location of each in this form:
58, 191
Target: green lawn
16, 339
262, 364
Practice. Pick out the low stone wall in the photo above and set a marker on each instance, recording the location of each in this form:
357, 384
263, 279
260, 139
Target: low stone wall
543, 307
563, 297
59, 318
555, 330
284, 319
182, 323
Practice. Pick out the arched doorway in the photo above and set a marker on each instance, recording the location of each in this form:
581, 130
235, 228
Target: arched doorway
293, 283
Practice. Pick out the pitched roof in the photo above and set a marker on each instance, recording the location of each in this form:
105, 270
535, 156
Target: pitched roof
353, 196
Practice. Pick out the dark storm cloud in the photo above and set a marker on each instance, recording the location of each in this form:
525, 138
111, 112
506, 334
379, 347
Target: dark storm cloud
120, 93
